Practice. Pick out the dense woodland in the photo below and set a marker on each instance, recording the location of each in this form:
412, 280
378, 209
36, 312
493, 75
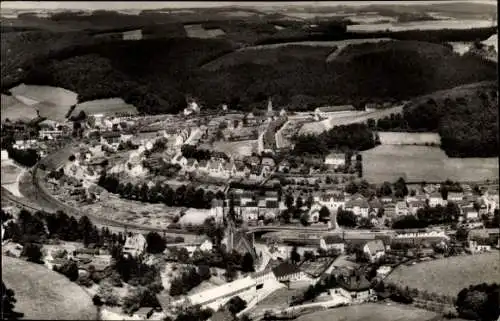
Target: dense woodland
357, 137
465, 118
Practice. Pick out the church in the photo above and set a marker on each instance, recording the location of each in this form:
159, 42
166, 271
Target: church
235, 240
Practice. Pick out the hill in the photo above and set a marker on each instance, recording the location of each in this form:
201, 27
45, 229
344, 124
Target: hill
45, 295
156, 74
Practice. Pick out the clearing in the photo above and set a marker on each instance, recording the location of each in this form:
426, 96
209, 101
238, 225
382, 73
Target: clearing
371, 312
419, 25
238, 149
45, 295
389, 162
450, 275
108, 107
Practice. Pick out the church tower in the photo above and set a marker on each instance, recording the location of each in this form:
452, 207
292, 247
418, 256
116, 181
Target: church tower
269, 106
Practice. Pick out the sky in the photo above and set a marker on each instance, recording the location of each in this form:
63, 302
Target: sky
99, 5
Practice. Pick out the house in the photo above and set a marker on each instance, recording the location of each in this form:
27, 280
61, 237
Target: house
414, 206
401, 208
387, 199
216, 167
354, 287
268, 162
191, 165
332, 242
246, 197
288, 272
229, 169
284, 166
478, 246
242, 169
436, 199
374, 250
359, 206
135, 245
470, 213
180, 160
455, 196
375, 205
203, 165
335, 160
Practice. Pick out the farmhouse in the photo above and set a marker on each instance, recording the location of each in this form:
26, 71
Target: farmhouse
354, 287
332, 242
436, 199
359, 206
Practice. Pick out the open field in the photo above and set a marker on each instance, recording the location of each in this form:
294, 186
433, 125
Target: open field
404, 138
450, 275
49, 94
13, 109
45, 295
239, 148
197, 31
389, 162
371, 312
111, 106
10, 173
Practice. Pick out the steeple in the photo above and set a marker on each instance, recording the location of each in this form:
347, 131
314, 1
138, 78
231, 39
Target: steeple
269, 106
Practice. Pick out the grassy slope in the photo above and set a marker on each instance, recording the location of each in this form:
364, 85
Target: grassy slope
449, 276
371, 312
45, 295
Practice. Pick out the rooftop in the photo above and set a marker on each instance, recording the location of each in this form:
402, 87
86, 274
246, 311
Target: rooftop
221, 291
285, 269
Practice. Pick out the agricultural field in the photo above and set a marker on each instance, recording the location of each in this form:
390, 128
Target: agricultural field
424, 163
13, 109
238, 149
400, 138
371, 312
45, 295
450, 275
110, 106
419, 25
37, 94
194, 216
197, 31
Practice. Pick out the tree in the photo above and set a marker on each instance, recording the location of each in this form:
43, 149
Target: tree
236, 304
33, 253
309, 201
289, 201
299, 203
247, 263
285, 215
69, 269
107, 294
204, 272
385, 189
8, 304
294, 255
400, 189
324, 214
156, 243
304, 219
346, 218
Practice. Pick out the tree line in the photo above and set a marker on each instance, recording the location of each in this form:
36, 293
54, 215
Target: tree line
187, 196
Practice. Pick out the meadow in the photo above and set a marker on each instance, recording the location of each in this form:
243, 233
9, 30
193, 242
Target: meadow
421, 25
371, 312
13, 109
45, 295
450, 275
424, 163
10, 173
110, 106
238, 149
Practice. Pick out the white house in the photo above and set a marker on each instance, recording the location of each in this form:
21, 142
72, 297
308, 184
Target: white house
135, 245
470, 213
414, 206
455, 196
374, 250
358, 206
477, 247
401, 208
335, 160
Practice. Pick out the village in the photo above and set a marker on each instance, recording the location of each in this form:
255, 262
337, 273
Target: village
254, 223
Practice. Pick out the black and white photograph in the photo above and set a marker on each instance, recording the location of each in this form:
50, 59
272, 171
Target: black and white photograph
250, 160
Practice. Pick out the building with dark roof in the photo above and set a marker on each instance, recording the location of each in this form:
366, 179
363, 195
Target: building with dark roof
288, 272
